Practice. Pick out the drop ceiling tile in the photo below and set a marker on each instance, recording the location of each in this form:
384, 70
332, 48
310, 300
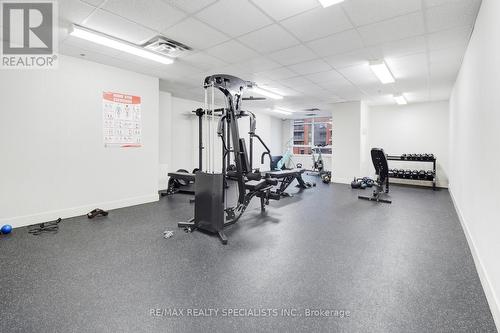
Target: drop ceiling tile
312, 66
326, 76
259, 64
235, 70
457, 37
364, 12
409, 84
191, 6
394, 29
195, 34
377, 89
298, 81
441, 92
450, 16
399, 48
95, 3
268, 39
377, 100
350, 93
234, 17
447, 56
280, 9
74, 11
232, 52
446, 72
338, 86
432, 3
310, 89
203, 61
317, 23
338, 43
154, 14
351, 58
278, 74
178, 71
417, 96
412, 66
293, 55
282, 90
119, 27
361, 74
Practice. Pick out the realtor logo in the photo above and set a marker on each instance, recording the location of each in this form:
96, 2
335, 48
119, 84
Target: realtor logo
28, 34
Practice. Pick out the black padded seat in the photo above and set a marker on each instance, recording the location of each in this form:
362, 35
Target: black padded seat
182, 175
255, 185
284, 173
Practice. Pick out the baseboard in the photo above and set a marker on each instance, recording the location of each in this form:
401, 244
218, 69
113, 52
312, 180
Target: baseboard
21, 221
340, 180
481, 271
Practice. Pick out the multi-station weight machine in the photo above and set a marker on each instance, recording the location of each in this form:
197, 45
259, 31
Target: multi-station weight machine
210, 213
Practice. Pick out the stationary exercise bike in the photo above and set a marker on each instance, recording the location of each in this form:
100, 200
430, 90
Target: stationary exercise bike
318, 164
286, 158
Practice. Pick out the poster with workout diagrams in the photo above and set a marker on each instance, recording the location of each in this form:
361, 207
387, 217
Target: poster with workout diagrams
121, 120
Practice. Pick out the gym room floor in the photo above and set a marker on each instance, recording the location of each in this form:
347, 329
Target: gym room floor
404, 267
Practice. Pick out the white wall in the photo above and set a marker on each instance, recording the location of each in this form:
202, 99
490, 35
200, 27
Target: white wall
346, 141
414, 128
475, 148
165, 137
54, 162
184, 135
276, 140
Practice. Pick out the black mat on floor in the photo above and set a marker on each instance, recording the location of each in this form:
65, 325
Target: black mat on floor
404, 267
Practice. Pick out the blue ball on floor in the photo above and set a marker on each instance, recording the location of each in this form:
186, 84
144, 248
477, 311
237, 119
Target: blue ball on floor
6, 229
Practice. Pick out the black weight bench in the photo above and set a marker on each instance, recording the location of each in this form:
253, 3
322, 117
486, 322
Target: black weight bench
255, 185
185, 180
286, 177
182, 175
379, 159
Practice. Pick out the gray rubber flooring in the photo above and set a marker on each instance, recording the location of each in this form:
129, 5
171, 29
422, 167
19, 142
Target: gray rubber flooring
404, 267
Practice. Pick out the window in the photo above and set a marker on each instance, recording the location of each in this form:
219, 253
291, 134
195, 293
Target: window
312, 133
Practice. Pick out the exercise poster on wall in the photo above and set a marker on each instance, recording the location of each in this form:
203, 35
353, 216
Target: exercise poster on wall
121, 120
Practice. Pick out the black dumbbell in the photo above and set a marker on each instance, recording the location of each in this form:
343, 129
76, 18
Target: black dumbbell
422, 174
430, 175
403, 157
391, 173
414, 174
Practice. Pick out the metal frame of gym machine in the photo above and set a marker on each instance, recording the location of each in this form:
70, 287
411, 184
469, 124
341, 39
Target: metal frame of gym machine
210, 214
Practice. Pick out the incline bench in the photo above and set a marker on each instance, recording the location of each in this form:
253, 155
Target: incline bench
286, 177
180, 182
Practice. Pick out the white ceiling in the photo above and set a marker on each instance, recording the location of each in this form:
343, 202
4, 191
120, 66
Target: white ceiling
312, 55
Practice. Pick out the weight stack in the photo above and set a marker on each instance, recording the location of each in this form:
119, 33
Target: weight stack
209, 203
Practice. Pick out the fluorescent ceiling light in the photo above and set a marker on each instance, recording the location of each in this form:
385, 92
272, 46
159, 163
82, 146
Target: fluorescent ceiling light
381, 70
266, 93
400, 99
328, 3
117, 44
282, 111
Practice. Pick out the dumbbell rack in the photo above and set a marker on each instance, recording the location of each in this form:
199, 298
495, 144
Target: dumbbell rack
433, 161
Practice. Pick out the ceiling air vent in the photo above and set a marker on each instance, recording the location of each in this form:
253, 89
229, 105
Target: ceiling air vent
165, 46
